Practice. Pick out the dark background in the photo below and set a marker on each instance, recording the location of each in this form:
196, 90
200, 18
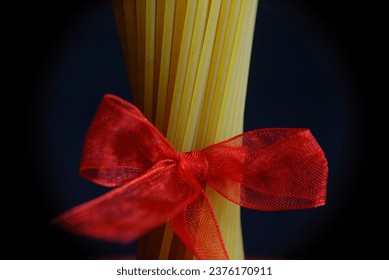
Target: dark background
312, 66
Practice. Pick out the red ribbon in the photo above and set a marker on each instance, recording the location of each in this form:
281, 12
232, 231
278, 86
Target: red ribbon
266, 169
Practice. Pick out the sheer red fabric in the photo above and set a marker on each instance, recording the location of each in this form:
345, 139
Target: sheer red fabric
267, 169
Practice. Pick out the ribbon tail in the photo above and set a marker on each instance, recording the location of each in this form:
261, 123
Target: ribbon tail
129, 211
198, 229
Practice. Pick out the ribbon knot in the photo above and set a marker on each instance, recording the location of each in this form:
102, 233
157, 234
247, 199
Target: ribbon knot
266, 169
196, 163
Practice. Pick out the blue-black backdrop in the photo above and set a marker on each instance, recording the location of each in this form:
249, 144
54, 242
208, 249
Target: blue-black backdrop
308, 69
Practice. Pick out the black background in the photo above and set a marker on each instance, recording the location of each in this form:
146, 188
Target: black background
355, 231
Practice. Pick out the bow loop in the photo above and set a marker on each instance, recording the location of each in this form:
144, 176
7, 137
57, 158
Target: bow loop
270, 169
121, 144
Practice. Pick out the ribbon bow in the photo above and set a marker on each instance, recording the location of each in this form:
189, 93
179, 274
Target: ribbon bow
266, 169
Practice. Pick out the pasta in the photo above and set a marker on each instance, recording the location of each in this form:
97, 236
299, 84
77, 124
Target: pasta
188, 64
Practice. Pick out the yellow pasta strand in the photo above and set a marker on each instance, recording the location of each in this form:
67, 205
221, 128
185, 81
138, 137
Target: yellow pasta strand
213, 73
159, 25
181, 70
178, 29
141, 42
149, 58
118, 9
200, 84
223, 71
125, 13
187, 95
167, 40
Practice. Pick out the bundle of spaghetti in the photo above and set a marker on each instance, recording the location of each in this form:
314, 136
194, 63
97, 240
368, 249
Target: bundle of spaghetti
188, 64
